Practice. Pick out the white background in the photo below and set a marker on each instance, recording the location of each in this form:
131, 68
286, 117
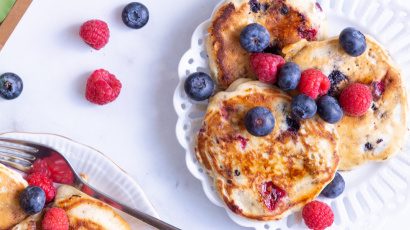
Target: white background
137, 130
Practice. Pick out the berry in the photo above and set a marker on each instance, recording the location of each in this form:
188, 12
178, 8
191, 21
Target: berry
254, 38
335, 188
95, 33
329, 109
11, 86
102, 87
303, 107
259, 121
289, 76
265, 66
135, 15
352, 41
32, 200
60, 170
55, 219
41, 166
317, 215
356, 99
271, 194
314, 83
378, 88
199, 86
45, 183
337, 80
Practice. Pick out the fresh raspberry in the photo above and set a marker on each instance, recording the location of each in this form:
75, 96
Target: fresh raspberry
60, 170
266, 66
356, 99
95, 33
317, 215
314, 83
55, 219
102, 87
41, 166
45, 183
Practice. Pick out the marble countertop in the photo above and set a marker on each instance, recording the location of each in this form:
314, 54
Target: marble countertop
137, 131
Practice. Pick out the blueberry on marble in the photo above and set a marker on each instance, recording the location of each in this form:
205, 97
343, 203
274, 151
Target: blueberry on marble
11, 86
135, 15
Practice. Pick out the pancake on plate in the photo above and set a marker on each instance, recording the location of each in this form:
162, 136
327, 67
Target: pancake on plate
11, 185
287, 21
380, 132
264, 178
85, 212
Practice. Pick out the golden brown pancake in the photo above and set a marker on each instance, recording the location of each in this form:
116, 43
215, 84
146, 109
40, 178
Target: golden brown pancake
11, 185
299, 159
85, 212
287, 21
378, 134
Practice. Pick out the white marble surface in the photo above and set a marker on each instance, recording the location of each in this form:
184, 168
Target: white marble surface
137, 130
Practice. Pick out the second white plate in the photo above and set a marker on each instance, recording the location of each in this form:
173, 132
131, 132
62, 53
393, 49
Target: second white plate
374, 191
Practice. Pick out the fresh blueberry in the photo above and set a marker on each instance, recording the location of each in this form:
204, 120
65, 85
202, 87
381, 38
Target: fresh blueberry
289, 76
32, 200
352, 41
11, 86
259, 121
329, 109
255, 38
199, 86
303, 107
335, 188
135, 15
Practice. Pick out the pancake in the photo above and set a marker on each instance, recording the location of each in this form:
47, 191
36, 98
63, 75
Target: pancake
85, 212
287, 21
296, 159
11, 185
30, 223
378, 134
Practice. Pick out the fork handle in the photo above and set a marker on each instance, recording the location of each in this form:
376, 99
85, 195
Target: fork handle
148, 219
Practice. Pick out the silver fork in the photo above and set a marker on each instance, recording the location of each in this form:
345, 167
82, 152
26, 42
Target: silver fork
21, 155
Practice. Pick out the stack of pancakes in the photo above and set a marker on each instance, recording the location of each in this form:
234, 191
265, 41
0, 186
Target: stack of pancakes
299, 157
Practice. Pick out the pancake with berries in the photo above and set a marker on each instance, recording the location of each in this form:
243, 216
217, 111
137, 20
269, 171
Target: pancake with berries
369, 88
264, 163
11, 186
241, 27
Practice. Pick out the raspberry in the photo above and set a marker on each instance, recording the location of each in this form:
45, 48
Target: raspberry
95, 33
60, 171
317, 215
102, 87
266, 66
41, 166
55, 219
314, 83
45, 183
356, 99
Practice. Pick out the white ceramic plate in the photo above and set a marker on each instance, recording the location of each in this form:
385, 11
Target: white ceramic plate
373, 192
103, 173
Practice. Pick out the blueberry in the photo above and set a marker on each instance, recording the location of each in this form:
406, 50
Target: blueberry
289, 76
199, 86
255, 38
11, 86
335, 188
329, 109
135, 15
32, 200
259, 121
352, 41
303, 107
